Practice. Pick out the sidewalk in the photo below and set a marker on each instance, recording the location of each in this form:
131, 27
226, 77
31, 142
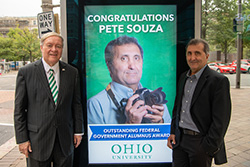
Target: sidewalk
12, 157
237, 137
9, 154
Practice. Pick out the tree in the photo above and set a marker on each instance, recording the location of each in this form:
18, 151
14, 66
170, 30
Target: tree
5, 48
218, 24
25, 43
246, 33
206, 17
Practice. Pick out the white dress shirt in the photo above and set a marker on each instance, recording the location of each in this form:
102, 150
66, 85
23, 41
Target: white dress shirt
56, 71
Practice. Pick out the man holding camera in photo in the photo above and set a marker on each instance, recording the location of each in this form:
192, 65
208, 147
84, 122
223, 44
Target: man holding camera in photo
118, 103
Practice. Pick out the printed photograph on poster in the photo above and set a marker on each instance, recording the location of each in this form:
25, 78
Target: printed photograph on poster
131, 81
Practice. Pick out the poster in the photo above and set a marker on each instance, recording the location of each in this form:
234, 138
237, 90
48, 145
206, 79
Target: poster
154, 27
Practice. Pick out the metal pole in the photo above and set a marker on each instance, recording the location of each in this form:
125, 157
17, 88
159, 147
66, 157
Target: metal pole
197, 24
64, 30
48, 6
239, 50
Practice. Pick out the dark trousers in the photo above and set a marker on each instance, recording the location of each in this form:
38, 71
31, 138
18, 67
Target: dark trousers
57, 159
190, 153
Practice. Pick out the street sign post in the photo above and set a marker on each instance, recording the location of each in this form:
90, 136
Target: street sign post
46, 23
239, 29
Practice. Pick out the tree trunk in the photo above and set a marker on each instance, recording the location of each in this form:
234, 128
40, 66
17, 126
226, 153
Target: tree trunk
31, 58
204, 30
225, 53
24, 60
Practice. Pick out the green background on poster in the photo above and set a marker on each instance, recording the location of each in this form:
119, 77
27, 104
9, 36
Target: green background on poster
158, 43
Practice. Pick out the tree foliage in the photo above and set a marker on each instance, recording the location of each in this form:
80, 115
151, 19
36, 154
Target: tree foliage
5, 47
20, 44
246, 33
217, 25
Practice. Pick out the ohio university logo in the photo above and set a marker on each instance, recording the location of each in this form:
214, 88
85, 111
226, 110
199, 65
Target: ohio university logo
131, 151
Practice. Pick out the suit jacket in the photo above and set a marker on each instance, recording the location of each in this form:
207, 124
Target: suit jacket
210, 110
37, 118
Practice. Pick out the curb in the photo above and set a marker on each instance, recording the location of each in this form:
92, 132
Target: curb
7, 147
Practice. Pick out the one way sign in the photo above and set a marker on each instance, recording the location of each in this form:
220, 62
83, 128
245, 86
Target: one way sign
45, 23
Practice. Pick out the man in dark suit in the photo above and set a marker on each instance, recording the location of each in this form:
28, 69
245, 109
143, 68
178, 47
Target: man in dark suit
201, 113
48, 112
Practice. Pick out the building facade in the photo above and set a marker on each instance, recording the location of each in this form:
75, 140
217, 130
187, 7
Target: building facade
6, 23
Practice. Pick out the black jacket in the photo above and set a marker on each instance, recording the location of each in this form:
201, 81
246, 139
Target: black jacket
38, 119
210, 110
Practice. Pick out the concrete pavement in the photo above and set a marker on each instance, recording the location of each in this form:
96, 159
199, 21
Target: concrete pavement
9, 154
237, 137
238, 134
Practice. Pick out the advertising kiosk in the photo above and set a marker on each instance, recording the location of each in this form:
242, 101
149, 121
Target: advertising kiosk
162, 29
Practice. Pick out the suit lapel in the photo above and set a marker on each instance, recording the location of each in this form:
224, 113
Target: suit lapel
43, 78
181, 86
63, 81
200, 84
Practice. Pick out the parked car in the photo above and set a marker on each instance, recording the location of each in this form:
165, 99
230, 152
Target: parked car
246, 60
245, 65
222, 68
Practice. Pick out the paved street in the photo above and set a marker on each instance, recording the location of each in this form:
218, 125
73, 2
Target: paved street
6, 106
244, 80
8, 81
9, 154
237, 138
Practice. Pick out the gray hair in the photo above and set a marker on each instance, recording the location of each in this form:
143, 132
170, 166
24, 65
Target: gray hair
122, 40
49, 34
196, 42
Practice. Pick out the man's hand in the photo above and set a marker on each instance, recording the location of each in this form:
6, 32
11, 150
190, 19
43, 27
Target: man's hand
157, 113
25, 148
135, 113
77, 140
171, 141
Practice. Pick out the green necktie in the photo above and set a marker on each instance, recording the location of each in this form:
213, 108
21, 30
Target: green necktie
52, 85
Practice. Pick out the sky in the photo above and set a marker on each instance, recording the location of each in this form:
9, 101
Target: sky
23, 8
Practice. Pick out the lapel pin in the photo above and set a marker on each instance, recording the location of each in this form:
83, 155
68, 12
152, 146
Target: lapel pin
63, 69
